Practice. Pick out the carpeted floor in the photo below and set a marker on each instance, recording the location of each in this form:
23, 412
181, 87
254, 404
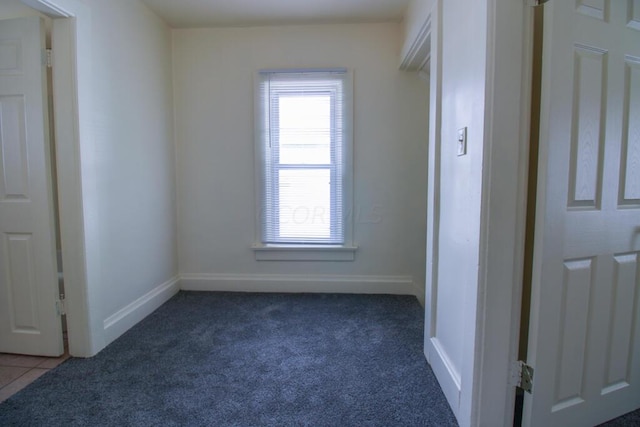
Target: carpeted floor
632, 419
227, 359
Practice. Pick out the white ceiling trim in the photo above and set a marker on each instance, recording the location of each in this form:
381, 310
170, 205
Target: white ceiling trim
418, 55
244, 13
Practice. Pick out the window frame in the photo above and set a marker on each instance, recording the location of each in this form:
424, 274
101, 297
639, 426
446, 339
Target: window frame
275, 166
299, 250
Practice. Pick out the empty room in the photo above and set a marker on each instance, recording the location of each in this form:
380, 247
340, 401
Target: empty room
322, 213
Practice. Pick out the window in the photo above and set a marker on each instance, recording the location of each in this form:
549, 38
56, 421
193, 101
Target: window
303, 135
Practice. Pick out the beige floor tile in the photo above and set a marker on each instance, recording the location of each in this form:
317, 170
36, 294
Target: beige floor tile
52, 362
21, 383
20, 360
10, 373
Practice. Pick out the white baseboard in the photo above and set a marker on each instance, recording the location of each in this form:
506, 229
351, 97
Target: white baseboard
121, 321
398, 285
419, 292
446, 374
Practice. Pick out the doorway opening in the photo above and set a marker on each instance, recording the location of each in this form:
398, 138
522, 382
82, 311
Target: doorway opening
33, 281
56, 208
532, 194
71, 41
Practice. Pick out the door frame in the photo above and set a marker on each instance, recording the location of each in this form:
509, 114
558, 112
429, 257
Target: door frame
510, 28
72, 41
487, 394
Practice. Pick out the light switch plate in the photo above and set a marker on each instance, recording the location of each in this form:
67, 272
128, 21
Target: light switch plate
462, 141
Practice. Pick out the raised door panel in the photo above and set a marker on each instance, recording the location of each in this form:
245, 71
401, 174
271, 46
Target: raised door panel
21, 283
572, 346
633, 14
623, 312
14, 176
630, 159
588, 123
597, 9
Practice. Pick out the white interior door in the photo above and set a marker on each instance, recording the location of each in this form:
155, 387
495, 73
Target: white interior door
29, 323
584, 341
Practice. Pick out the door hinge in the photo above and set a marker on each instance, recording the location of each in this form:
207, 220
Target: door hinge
534, 3
49, 58
522, 376
61, 306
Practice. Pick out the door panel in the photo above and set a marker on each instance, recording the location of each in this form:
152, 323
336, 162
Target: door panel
13, 143
624, 305
29, 323
584, 338
22, 290
585, 178
630, 161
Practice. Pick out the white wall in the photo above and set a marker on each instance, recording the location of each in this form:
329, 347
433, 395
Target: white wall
124, 248
472, 311
15, 9
213, 82
133, 155
463, 90
453, 311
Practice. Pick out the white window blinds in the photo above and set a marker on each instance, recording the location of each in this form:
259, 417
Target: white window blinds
302, 137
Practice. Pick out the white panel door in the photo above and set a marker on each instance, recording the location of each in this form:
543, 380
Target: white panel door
29, 323
585, 327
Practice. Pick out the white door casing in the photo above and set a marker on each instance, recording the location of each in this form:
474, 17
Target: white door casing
29, 323
584, 340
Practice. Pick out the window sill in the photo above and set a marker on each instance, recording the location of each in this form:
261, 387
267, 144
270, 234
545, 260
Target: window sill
304, 252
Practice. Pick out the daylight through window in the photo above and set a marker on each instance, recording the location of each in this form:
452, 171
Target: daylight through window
303, 137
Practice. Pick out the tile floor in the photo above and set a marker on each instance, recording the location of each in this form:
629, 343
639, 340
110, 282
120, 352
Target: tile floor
18, 371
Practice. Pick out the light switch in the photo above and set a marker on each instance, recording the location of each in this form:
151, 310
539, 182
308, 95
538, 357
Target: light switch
462, 141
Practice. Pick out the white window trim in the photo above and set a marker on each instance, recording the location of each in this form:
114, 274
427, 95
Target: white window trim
306, 252
282, 252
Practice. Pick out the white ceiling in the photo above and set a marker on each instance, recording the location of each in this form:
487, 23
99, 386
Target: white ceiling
232, 13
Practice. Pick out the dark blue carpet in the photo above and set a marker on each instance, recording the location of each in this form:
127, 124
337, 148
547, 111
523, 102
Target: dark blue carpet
632, 419
229, 359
